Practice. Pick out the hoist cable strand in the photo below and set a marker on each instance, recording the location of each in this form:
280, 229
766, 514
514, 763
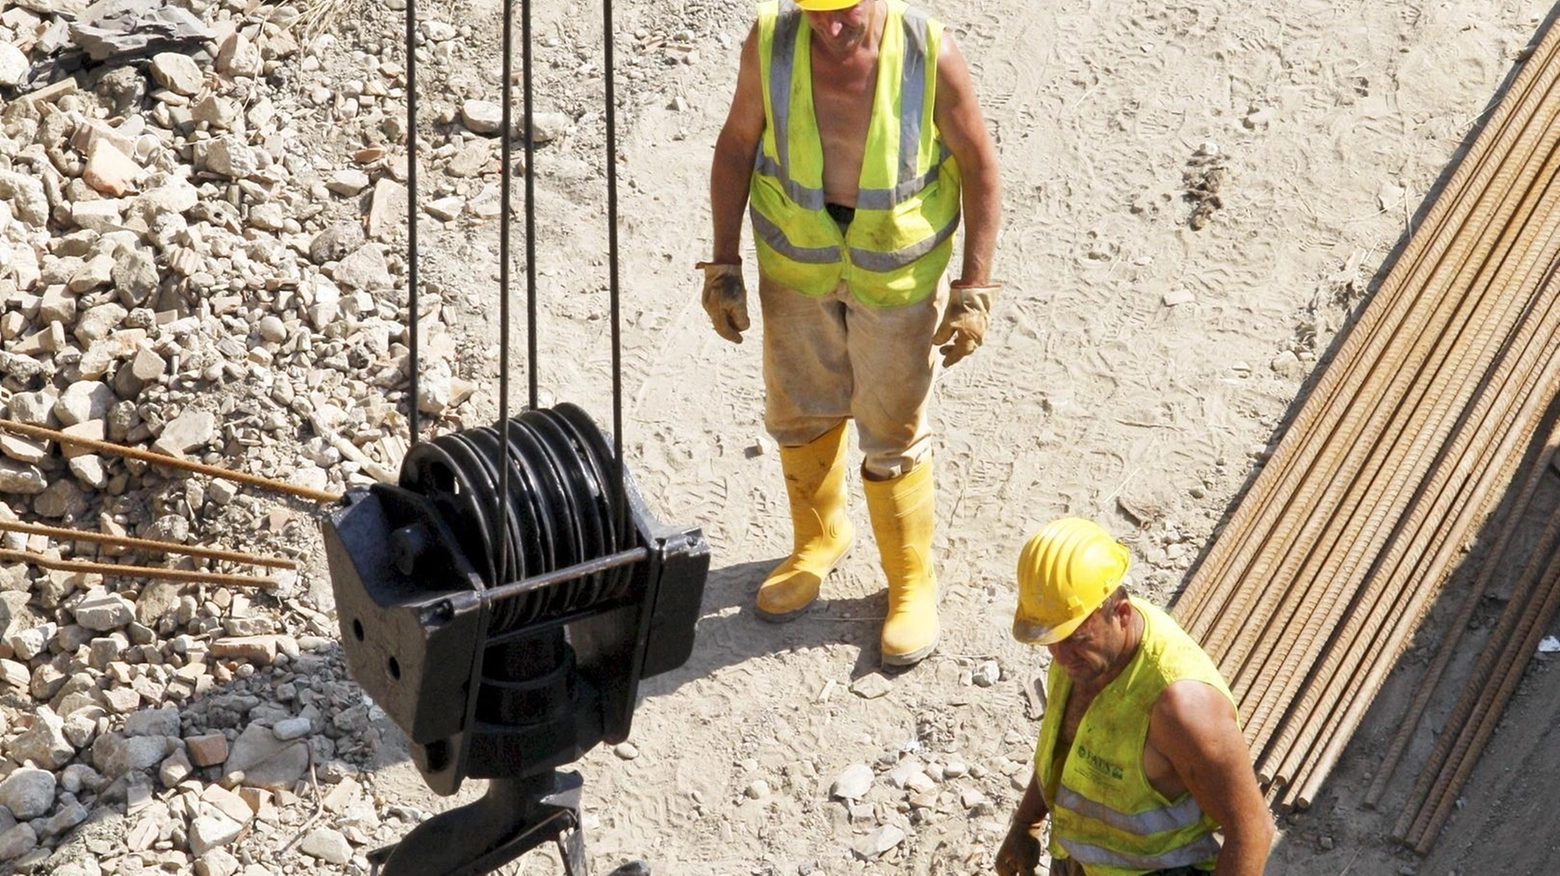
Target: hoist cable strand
411, 208
579, 570
612, 258
530, 202
505, 175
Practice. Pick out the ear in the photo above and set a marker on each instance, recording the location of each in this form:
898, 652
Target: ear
1123, 611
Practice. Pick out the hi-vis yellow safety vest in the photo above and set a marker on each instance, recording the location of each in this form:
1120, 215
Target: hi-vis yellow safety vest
1104, 813
907, 207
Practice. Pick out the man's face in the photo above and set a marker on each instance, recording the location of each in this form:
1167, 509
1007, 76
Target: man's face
1095, 646
841, 32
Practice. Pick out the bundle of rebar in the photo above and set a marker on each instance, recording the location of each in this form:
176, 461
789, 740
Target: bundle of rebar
1531, 606
1389, 467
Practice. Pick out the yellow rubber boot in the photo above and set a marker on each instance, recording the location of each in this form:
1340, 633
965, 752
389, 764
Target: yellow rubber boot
815, 484
902, 516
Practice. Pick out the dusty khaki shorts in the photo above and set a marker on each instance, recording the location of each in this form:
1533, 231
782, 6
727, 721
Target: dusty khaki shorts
831, 358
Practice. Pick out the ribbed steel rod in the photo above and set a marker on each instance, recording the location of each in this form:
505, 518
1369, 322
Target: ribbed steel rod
1314, 585
1318, 701
1529, 633
1505, 531
1513, 415
1368, 403
114, 570
1355, 697
1207, 594
93, 444
1373, 485
1431, 782
1432, 415
1435, 776
147, 544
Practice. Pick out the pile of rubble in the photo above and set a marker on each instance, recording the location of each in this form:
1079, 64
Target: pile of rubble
202, 255
180, 272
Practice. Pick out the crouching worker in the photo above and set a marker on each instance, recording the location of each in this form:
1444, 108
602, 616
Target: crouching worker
1140, 759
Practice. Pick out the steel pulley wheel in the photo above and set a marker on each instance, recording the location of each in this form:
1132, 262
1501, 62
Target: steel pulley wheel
561, 508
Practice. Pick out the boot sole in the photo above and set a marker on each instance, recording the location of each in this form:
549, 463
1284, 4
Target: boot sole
911, 658
784, 616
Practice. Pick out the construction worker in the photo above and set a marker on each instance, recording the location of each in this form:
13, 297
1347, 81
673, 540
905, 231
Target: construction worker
856, 142
1140, 757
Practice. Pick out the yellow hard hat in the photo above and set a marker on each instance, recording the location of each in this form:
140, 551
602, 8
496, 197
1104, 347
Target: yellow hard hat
825, 5
1065, 572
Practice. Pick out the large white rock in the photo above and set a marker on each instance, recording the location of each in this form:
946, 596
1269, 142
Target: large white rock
13, 65
28, 792
212, 831
231, 157
187, 431
44, 743
177, 72
328, 845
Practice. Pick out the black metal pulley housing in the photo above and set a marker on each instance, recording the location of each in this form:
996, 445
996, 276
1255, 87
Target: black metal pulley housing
506, 635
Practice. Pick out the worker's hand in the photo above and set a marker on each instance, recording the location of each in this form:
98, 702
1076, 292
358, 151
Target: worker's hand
1020, 852
725, 300
963, 327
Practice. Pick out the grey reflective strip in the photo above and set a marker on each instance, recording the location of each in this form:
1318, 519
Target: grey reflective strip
782, 66
885, 199
883, 262
1182, 814
771, 235
804, 197
912, 93
1204, 849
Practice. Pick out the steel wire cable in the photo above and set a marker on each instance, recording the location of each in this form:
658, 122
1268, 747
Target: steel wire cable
413, 425
542, 491
1206, 596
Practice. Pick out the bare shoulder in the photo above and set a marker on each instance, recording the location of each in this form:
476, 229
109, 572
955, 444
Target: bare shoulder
1192, 717
950, 59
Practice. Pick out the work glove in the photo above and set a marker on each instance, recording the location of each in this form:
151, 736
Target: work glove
1020, 852
963, 327
725, 300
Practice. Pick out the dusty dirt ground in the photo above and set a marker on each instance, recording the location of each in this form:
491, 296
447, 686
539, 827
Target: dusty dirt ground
1134, 372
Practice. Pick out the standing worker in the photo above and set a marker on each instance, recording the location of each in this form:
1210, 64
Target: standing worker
856, 142
1140, 757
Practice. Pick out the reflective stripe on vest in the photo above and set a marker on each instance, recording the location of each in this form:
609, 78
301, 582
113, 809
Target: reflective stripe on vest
908, 196
1104, 811
1088, 855
1182, 814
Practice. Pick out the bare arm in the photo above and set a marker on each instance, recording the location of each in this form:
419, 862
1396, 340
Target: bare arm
963, 128
1194, 727
734, 150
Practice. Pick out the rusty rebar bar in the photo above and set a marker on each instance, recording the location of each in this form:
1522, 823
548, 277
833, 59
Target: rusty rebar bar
115, 569
146, 544
1207, 594
1432, 420
1447, 647
48, 434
